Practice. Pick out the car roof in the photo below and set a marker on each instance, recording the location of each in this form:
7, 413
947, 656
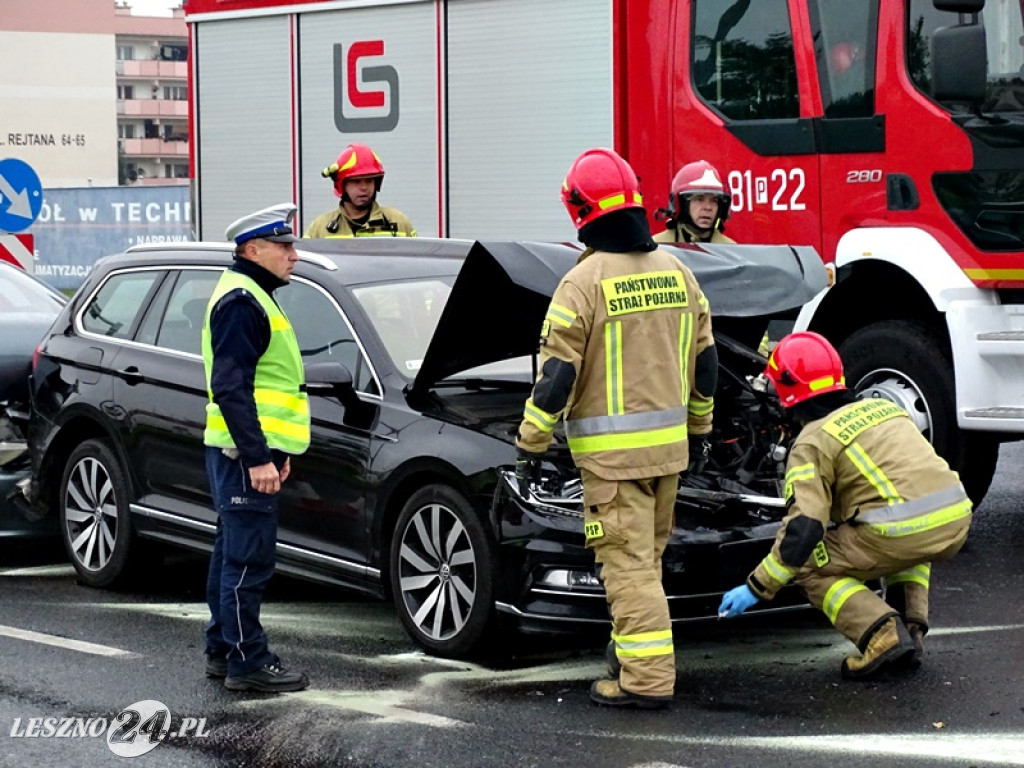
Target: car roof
350, 261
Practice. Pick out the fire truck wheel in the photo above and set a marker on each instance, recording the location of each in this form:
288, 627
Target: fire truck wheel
907, 363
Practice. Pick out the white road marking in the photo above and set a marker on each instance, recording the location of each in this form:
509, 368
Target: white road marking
384, 705
40, 571
63, 642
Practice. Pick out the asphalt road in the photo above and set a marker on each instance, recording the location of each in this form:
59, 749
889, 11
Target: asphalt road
759, 691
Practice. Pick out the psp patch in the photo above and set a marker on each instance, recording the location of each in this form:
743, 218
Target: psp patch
821, 558
593, 530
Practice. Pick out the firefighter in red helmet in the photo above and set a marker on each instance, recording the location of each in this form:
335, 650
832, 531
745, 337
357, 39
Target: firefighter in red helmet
628, 359
868, 499
697, 208
357, 175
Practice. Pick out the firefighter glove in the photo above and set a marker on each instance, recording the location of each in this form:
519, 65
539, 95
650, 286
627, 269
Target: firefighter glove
700, 450
527, 469
736, 601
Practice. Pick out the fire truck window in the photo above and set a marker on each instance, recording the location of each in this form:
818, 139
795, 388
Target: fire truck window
743, 63
844, 44
1004, 35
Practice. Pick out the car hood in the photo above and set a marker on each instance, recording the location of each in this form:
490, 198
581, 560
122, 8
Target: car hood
501, 295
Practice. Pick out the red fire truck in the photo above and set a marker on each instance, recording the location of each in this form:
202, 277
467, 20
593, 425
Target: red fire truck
888, 135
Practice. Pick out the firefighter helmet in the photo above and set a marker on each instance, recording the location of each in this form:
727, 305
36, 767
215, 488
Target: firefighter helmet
599, 182
697, 178
355, 161
804, 365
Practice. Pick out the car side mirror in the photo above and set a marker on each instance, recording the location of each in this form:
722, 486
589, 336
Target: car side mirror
331, 378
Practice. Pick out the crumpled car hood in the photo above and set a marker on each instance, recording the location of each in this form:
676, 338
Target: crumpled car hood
501, 295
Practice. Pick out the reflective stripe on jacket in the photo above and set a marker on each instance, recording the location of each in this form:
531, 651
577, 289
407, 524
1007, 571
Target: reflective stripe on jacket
382, 222
281, 405
866, 464
631, 325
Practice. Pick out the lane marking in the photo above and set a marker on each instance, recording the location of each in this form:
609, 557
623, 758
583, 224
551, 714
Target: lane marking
384, 705
40, 570
64, 642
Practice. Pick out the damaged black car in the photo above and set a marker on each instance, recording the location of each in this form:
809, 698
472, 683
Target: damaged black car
419, 356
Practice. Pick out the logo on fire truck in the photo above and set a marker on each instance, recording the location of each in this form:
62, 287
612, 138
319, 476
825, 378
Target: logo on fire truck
357, 108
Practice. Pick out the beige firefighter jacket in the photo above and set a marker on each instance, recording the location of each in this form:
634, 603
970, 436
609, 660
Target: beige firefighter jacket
383, 222
631, 325
865, 464
684, 234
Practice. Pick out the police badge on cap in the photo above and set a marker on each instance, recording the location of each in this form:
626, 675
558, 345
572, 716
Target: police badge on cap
273, 223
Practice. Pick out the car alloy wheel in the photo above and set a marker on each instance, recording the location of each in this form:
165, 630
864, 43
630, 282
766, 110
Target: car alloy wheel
94, 513
441, 568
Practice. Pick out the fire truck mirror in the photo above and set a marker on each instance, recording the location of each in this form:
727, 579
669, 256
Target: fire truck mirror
958, 64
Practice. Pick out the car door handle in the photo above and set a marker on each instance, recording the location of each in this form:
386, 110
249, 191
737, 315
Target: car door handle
130, 374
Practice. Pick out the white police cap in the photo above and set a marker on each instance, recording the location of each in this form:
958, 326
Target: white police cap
273, 223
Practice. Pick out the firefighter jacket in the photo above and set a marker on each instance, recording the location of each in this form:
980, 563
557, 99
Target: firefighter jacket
865, 464
382, 222
684, 234
618, 359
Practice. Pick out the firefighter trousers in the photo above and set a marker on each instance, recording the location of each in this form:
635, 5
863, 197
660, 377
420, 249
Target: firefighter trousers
852, 554
627, 524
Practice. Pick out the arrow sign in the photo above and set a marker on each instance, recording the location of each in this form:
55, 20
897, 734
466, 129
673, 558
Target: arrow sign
21, 195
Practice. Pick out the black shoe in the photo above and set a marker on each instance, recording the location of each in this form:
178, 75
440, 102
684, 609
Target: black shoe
216, 667
270, 678
612, 660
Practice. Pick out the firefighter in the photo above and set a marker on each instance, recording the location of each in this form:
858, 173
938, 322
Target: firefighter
868, 499
357, 175
627, 355
698, 207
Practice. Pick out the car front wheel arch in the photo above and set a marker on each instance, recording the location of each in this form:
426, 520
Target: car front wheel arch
442, 571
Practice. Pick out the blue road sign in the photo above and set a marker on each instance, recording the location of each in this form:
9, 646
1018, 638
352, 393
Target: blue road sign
21, 195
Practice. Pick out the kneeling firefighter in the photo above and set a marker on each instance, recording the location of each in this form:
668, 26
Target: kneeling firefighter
868, 499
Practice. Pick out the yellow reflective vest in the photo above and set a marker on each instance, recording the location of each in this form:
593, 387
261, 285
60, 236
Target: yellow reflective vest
632, 325
281, 405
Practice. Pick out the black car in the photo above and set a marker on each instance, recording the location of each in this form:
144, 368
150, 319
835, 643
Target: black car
27, 309
419, 356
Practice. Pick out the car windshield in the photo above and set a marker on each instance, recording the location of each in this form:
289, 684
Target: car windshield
20, 292
405, 314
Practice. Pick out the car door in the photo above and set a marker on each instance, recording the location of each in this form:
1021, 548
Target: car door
323, 509
162, 389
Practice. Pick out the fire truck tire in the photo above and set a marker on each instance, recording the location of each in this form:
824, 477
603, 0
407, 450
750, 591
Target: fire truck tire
903, 361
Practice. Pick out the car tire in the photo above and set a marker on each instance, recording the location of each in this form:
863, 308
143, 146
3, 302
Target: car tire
442, 572
904, 362
94, 514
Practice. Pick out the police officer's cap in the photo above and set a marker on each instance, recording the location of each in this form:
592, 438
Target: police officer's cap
273, 223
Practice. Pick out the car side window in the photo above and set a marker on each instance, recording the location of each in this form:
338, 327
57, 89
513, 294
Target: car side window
182, 325
117, 306
323, 333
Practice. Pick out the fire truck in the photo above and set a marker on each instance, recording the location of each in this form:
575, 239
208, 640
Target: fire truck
887, 135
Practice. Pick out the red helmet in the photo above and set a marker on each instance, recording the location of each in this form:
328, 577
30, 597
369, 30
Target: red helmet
355, 161
698, 178
804, 365
599, 182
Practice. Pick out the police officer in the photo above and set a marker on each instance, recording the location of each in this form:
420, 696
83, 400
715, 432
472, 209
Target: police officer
868, 498
698, 206
257, 417
357, 175
627, 355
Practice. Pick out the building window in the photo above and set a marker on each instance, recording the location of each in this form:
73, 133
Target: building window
175, 92
173, 52
125, 131
125, 53
125, 92
176, 170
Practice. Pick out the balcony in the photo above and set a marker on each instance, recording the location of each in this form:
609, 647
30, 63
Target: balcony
152, 108
154, 148
153, 70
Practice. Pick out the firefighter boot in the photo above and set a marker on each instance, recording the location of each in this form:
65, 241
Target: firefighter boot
612, 659
917, 632
608, 693
890, 643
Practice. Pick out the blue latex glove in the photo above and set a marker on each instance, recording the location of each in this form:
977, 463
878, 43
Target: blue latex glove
736, 601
